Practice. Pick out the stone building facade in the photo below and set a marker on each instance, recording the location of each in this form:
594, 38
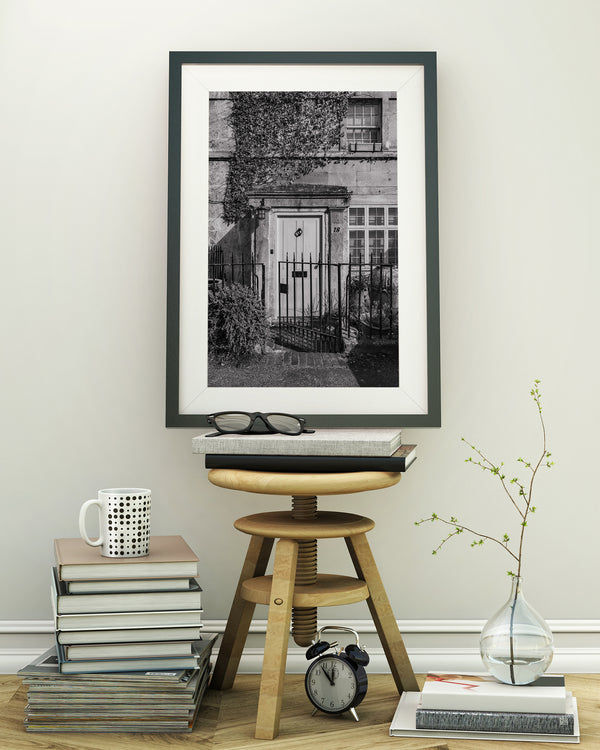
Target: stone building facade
344, 212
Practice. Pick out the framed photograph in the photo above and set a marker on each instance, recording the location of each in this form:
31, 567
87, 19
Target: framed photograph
303, 237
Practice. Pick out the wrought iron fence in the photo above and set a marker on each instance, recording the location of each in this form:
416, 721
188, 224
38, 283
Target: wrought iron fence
322, 304
223, 272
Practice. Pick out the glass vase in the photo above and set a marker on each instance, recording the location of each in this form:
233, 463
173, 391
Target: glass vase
516, 643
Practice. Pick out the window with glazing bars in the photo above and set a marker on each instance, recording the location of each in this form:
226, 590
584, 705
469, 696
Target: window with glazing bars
363, 122
373, 234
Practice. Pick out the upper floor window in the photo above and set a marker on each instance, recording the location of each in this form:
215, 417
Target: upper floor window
363, 122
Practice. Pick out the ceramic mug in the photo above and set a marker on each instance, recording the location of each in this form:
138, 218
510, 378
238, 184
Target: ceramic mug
124, 522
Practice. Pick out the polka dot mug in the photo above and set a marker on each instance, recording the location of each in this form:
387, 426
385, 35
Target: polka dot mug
124, 516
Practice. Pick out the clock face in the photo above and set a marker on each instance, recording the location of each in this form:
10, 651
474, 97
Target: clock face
333, 685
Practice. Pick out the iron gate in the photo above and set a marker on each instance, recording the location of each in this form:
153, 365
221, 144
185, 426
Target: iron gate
321, 304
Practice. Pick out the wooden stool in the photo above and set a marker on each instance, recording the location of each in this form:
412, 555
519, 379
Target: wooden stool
295, 589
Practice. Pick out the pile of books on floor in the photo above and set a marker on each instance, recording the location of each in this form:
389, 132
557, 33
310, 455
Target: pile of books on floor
130, 654
477, 706
324, 450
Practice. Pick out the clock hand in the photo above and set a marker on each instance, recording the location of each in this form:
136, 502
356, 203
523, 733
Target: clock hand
331, 681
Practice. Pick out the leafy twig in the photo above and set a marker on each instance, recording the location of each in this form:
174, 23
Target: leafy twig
460, 528
522, 502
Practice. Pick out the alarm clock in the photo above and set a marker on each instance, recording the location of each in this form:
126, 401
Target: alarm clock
336, 682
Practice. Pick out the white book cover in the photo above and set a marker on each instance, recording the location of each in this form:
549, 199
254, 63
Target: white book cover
140, 584
129, 635
482, 692
404, 725
140, 650
348, 441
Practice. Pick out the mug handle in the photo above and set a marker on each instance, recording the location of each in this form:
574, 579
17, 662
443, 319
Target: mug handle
82, 530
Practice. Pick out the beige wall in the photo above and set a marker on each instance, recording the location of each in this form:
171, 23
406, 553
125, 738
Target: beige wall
83, 243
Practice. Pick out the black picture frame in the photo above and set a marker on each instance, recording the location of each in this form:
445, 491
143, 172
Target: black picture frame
188, 406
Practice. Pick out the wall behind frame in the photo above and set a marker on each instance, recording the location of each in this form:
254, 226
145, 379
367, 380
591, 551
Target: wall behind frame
83, 227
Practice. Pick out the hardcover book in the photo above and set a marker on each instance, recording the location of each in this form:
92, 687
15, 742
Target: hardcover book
169, 557
105, 620
366, 441
127, 584
136, 650
129, 635
495, 721
65, 603
404, 725
125, 665
400, 460
481, 692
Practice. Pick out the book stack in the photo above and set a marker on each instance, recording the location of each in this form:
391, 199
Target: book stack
476, 706
145, 701
133, 620
324, 450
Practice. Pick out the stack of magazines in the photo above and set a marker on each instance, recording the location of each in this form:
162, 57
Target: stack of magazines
150, 701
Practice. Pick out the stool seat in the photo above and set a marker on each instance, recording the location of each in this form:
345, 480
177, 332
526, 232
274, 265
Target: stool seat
280, 483
328, 591
281, 524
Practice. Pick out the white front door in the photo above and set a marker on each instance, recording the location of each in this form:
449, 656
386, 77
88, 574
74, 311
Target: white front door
299, 237
299, 247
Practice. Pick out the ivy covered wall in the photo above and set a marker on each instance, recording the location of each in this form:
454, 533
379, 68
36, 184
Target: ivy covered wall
279, 136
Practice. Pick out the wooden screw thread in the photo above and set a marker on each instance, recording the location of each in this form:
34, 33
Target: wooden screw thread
304, 619
304, 507
304, 625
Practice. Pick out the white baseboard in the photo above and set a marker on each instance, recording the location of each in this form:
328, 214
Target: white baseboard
432, 645
565, 661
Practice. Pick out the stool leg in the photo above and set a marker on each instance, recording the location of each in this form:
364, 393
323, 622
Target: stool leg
382, 614
276, 642
240, 615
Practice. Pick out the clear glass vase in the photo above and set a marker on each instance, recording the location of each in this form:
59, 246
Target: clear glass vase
516, 643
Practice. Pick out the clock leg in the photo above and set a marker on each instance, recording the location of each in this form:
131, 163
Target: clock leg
240, 615
354, 714
276, 642
382, 614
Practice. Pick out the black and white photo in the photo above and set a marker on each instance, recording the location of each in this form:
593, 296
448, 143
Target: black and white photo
303, 237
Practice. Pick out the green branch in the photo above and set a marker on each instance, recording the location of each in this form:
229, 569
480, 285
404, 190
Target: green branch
496, 471
522, 503
459, 528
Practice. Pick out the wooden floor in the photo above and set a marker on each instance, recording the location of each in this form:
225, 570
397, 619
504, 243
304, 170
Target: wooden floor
227, 719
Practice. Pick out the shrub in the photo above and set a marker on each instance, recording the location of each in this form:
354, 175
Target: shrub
237, 325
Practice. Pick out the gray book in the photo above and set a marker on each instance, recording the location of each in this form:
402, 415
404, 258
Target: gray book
66, 604
129, 635
365, 441
404, 725
495, 721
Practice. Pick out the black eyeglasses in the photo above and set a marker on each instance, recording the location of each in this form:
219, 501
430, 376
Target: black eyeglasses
241, 422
